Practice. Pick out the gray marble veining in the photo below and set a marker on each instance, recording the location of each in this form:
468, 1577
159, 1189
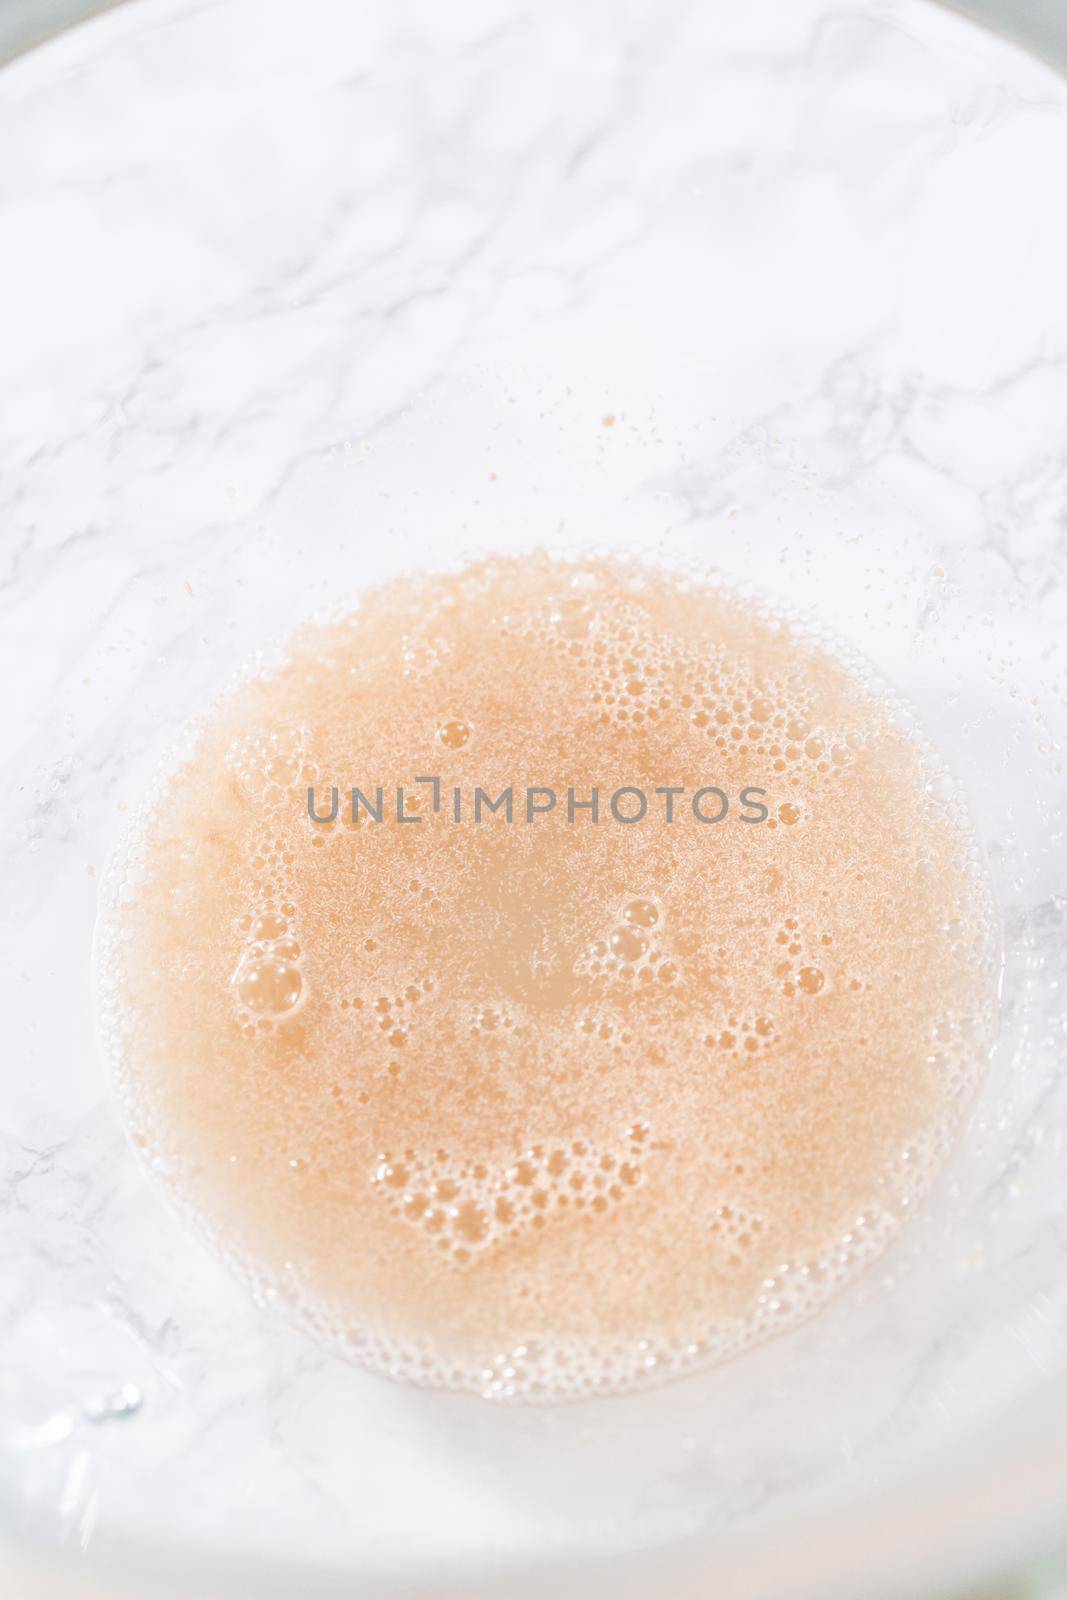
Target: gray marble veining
294, 295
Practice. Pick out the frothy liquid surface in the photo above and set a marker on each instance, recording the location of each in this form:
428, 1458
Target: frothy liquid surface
561, 1106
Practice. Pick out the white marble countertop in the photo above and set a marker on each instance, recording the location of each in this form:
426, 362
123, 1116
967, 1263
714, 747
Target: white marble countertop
287, 291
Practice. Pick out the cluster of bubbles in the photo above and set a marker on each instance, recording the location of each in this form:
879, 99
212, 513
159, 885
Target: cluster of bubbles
423, 892
743, 1036
269, 983
735, 1228
566, 1369
792, 1291
954, 1041
264, 764
799, 973
391, 1012
491, 1019
423, 655
632, 950
637, 676
269, 980
470, 1206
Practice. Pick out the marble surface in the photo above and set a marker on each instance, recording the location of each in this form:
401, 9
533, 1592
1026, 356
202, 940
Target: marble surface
297, 295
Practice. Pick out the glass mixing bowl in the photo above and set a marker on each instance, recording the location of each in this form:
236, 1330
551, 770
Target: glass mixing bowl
298, 298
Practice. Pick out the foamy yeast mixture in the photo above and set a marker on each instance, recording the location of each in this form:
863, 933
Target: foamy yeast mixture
554, 1106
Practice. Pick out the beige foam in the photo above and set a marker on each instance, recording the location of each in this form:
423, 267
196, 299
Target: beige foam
550, 1108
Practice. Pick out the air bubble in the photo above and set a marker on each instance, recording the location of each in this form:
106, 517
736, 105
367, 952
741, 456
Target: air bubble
642, 913
454, 734
269, 926
628, 943
269, 987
